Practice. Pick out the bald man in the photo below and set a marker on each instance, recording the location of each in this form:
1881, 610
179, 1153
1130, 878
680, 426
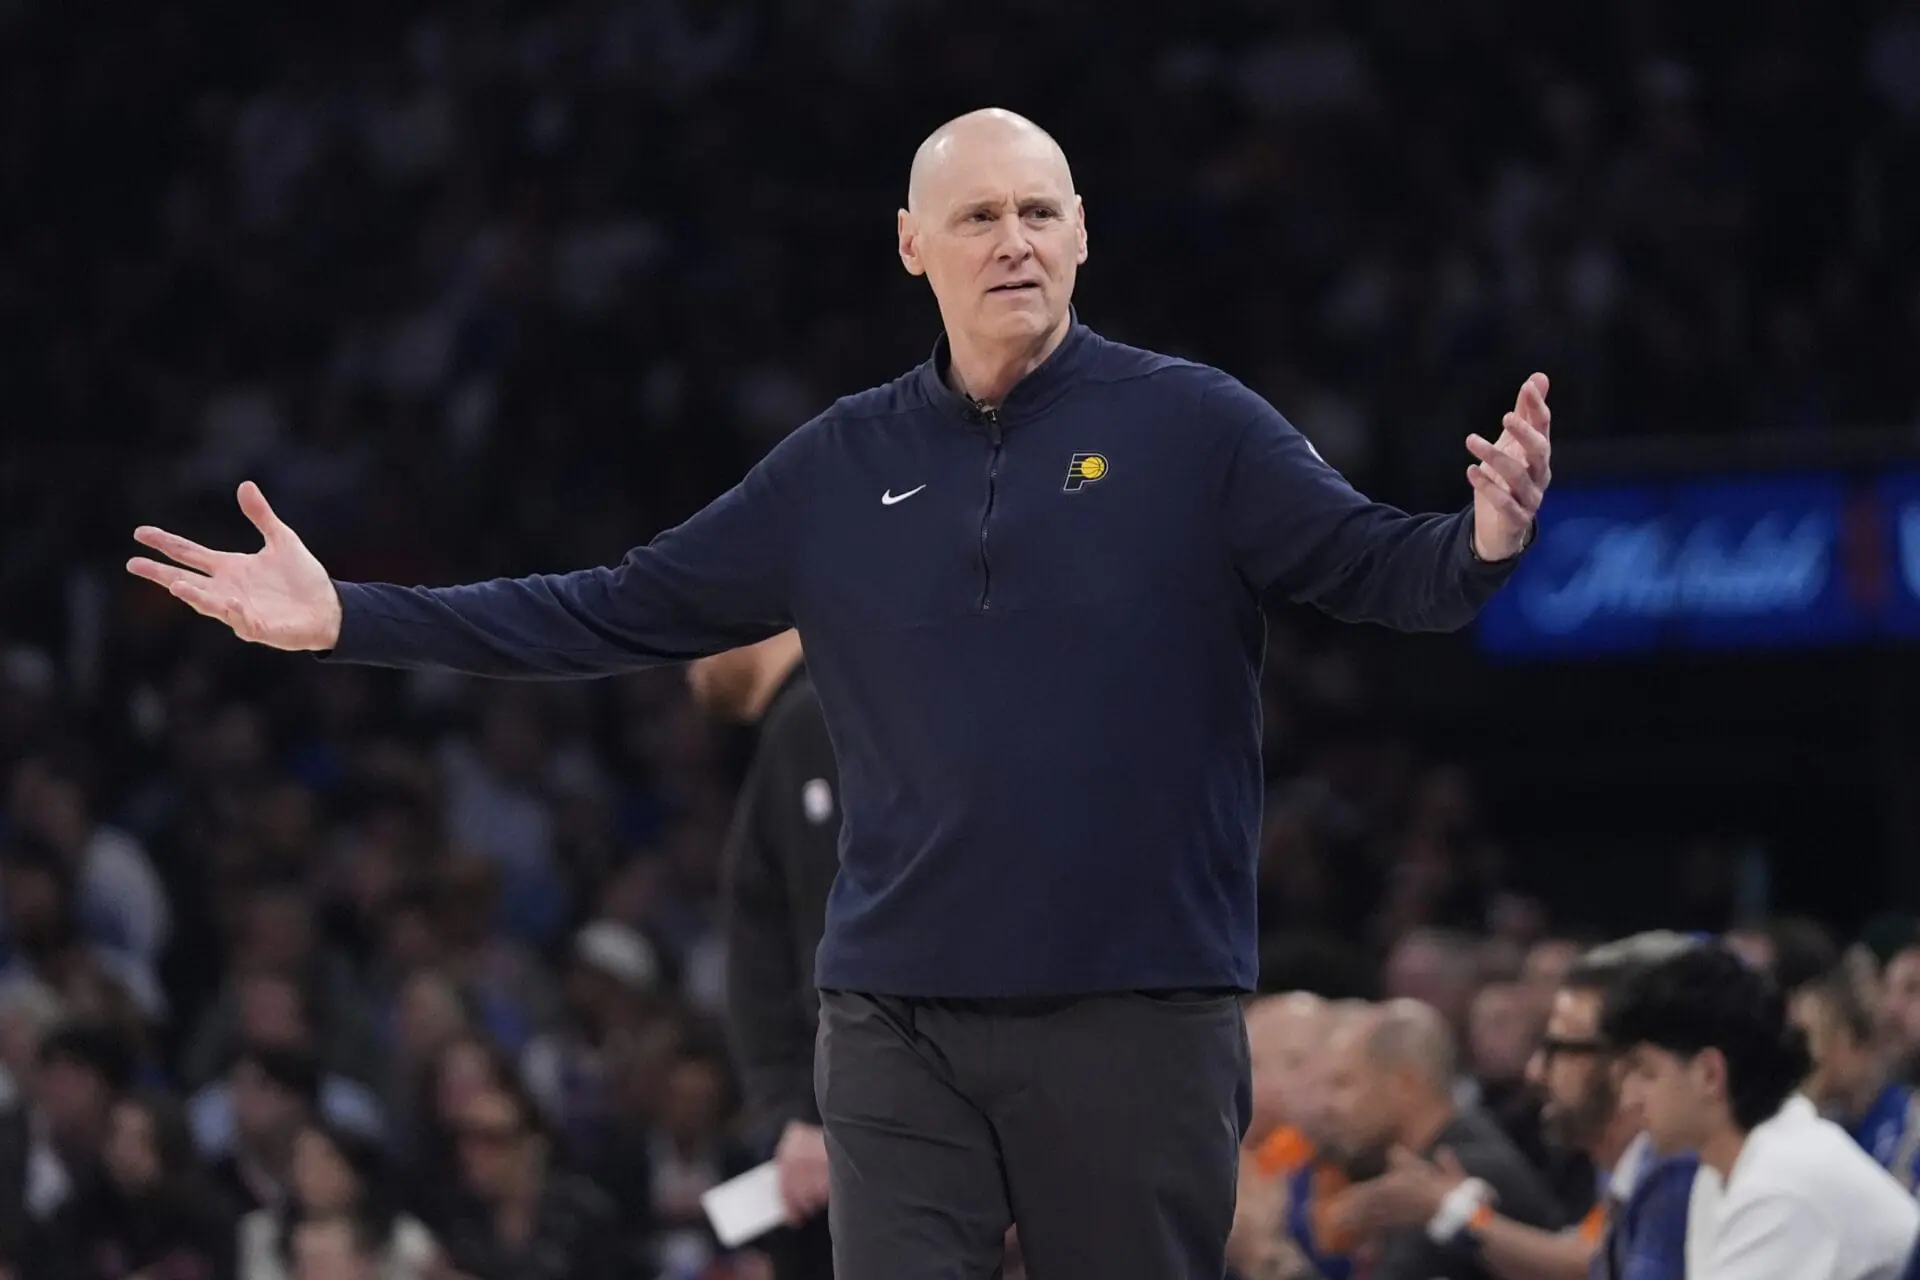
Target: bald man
1390, 1088
1029, 573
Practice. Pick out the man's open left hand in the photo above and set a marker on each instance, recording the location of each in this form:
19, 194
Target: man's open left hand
1511, 478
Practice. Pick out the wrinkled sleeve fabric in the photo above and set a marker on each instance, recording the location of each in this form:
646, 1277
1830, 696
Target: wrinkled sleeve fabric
721, 579
1297, 529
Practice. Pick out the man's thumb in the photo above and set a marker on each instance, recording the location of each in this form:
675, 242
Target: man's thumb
1451, 1163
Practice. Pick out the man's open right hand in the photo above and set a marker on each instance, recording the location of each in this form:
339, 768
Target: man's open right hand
279, 596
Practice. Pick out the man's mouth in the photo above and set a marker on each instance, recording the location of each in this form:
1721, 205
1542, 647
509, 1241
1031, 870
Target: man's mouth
1015, 286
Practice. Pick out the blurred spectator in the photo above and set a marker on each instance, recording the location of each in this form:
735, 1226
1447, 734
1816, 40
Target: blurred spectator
1637, 1226
337, 1175
1390, 1087
1714, 1064
1793, 949
430, 1015
691, 1154
283, 978
48, 945
524, 1218
275, 1015
54, 1145
120, 900
344, 1246
272, 1095
1900, 1007
608, 988
149, 1213
1853, 1080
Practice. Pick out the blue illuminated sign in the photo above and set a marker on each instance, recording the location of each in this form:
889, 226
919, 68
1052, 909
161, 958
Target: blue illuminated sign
1752, 562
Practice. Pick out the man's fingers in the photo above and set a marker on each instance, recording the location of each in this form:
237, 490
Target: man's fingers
1486, 486
207, 601
253, 504
164, 574
1512, 472
1534, 447
176, 548
1531, 403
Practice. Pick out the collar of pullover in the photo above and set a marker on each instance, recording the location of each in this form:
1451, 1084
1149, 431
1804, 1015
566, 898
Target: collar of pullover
1030, 394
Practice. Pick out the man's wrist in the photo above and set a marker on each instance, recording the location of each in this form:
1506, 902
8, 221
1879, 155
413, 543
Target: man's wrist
1469, 1200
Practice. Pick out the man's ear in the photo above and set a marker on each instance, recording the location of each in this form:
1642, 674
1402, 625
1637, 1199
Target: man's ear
1080, 211
1709, 1072
908, 229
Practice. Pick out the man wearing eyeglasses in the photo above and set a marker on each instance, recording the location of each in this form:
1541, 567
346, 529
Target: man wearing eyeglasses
1637, 1228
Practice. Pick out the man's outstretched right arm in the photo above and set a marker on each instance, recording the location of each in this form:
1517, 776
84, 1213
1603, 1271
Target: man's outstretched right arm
721, 579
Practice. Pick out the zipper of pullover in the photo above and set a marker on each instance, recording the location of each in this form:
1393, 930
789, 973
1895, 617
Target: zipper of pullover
991, 419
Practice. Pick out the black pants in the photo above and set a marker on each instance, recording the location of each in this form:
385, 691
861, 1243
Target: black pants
804, 1252
1107, 1127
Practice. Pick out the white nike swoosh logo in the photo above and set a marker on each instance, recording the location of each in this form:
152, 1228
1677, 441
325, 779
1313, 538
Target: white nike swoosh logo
888, 498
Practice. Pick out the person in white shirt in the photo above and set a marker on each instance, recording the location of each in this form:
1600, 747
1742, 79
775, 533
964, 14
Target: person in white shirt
1713, 1064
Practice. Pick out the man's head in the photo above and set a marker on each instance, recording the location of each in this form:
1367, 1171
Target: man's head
1390, 1074
1503, 1024
1707, 1047
274, 1009
83, 1069
1849, 1064
38, 888
501, 1143
1437, 967
737, 684
993, 222
1900, 1005
1545, 966
1573, 1067
1283, 1032
276, 1092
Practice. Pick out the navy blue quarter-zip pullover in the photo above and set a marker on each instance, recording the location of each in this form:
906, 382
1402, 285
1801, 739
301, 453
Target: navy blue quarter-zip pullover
1036, 635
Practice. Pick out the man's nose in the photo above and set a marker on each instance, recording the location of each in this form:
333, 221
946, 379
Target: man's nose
1014, 245
1537, 1067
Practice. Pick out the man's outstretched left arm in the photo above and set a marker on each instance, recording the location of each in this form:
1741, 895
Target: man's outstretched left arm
1295, 526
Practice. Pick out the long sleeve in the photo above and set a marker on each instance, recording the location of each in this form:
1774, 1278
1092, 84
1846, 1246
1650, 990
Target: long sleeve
722, 578
772, 1038
1657, 1249
1295, 526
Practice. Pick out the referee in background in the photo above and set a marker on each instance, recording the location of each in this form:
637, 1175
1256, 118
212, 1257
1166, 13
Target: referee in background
781, 856
1029, 572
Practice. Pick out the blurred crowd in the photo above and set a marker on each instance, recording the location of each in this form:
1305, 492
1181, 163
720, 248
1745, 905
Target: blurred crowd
324, 972
1533, 1072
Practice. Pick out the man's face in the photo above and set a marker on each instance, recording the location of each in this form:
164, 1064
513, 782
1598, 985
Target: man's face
1671, 1094
271, 1013
492, 1140
263, 1112
1841, 1065
1573, 1075
1900, 1004
1284, 1051
132, 1154
73, 1096
1502, 1027
1360, 1099
1546, 966
999, 233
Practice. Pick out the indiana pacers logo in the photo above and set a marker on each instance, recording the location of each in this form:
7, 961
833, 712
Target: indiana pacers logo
1084, 470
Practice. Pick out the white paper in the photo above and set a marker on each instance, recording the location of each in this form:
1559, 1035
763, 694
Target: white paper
746, 1207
